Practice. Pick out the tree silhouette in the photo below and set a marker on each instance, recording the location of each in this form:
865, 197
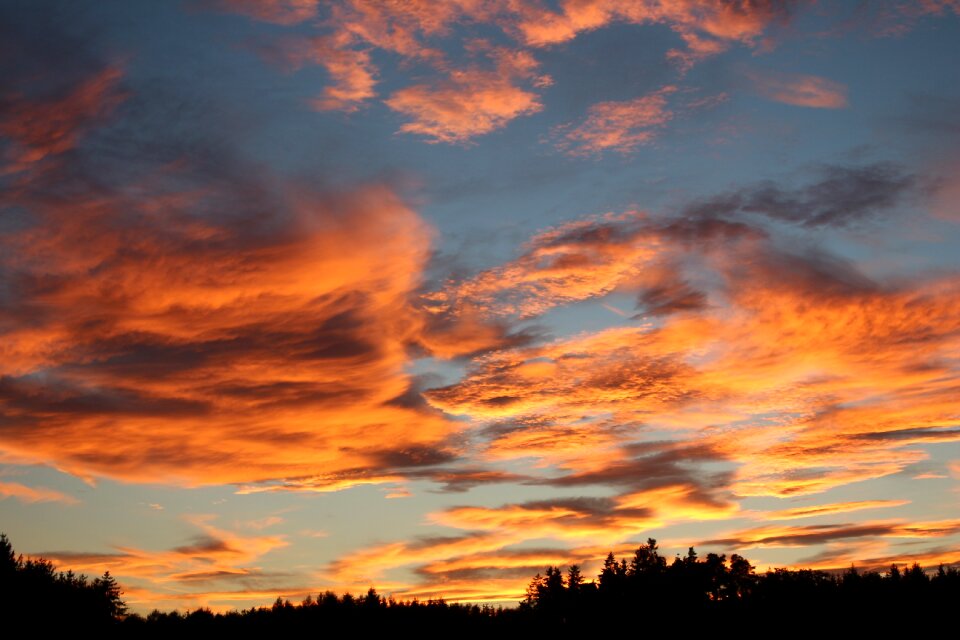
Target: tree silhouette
697, 594
574, 579
31, 588
110, 594
647, 560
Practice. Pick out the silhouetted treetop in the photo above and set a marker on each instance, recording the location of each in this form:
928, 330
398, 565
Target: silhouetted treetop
645, 595
32, 588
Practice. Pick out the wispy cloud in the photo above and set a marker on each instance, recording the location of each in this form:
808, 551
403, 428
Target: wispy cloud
191, 573
23, 493
837, 196
706, 28
800, 90
817, 510
284, 12
817, 370
45, 127
462, 100
191, 327
775, 536
470, 102
618, 126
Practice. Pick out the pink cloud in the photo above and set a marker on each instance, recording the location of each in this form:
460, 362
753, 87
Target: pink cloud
24, 493
471, 102
45, 128
706, 27
800, 90
467, 100
351, 72
619, 126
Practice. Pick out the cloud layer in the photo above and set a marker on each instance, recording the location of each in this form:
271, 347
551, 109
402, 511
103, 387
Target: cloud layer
200, 289
462, 99
203, 332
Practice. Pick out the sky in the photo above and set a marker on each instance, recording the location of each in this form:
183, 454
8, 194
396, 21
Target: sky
429, 296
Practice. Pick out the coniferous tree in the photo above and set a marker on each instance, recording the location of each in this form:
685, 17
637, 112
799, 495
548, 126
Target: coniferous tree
109, 592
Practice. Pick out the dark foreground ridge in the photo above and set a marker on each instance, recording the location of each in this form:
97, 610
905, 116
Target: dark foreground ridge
644, 595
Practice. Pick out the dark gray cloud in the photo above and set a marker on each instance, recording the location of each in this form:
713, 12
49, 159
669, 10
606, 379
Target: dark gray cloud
808, 535
204, 545
840, 196
944, 434
460, 480
652, 465
56, 400
808, 270
671, 297
823, 533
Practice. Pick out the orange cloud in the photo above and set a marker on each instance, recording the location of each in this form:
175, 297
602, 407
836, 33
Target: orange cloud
582, 447
321, 483
369, 564
353, 29
797, 369
478, 567
213, 548
495, 561
167, 344
467, 330
467, 100
830, 509
489, 590
679, 502
595, 373
800, 90
23, 493
43, 128
500, 560
618, 126
782, 536
350, 69
596, 519
143, 600
500, 576
405, 27
190, 574
352, 74
602, 520
858, 557
470, 102
706, 27
493, 565
579, 260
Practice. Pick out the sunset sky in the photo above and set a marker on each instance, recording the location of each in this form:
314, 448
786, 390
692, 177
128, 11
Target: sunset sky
428, 295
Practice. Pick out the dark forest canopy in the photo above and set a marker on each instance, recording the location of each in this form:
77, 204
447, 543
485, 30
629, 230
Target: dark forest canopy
646, 590
33, 589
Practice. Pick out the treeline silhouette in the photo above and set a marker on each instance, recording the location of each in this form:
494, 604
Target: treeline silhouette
713, 588
645, 593
33, 589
